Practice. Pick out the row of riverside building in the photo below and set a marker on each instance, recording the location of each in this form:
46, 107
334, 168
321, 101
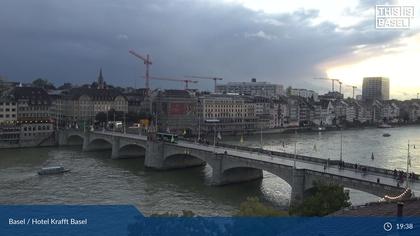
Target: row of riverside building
33, 114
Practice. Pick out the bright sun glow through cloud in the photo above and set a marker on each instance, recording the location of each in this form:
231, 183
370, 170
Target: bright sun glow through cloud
401, 66
399, 62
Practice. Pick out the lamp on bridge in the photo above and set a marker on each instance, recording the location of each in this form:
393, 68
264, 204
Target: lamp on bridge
214, 122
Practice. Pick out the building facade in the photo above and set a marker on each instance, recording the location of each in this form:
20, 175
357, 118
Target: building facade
175, 111
82, 104
33, 104
233, 113
305, 93
252, 88
8, 110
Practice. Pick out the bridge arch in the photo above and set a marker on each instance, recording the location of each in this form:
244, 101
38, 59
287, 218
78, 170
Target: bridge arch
132, 150
183, 160
282, 178
98, 143
75, 139
243, 168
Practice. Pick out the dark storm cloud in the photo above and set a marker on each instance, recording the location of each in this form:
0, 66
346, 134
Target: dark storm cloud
69, 41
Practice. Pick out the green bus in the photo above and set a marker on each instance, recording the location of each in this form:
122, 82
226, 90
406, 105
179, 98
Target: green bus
167, 137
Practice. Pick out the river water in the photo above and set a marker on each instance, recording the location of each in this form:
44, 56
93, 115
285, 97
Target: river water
96, 179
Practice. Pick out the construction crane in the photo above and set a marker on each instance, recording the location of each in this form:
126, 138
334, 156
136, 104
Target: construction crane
204, 77
186, 81
146, 60
353, 87
332, 81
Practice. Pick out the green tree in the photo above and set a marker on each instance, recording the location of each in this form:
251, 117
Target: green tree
253, 207
289, 91
43, 83
118, 115
325, 199
101, 117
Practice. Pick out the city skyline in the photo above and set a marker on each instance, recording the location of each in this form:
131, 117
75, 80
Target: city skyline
281, 43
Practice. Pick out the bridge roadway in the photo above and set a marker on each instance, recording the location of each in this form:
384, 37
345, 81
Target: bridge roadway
300, 178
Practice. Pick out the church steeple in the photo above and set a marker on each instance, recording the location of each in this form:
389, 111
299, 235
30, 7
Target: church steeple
101, 82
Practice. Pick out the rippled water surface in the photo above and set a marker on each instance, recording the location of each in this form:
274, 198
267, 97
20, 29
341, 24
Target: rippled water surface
97, 179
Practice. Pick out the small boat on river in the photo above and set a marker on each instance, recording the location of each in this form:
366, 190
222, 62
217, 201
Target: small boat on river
52, 170
318, 128
386, 135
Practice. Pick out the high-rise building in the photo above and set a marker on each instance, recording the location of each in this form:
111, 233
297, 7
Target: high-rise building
375, 88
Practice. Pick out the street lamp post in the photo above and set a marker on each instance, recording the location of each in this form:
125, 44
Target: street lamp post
408, 162
261, 137
125, 130
107, 120
341, 146
113, 126
294, 157
214, 122
156, 123
214, 137
199, 119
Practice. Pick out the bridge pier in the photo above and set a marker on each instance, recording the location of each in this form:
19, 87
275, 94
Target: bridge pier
115, 154
62, 138
85, 146
298, 187
154, 157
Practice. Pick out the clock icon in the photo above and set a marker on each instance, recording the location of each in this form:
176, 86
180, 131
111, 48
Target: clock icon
387, 226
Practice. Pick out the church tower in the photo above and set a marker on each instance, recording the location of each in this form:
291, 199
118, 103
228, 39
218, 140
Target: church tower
101, 82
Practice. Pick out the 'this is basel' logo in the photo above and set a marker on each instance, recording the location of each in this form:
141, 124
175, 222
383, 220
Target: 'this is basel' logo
393, 16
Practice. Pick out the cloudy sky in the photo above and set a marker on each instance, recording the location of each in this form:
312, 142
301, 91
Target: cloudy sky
271, 40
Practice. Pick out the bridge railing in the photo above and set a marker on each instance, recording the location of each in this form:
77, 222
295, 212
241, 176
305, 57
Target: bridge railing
344, 165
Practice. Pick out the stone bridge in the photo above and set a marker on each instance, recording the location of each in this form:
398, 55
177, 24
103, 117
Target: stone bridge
232, 165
